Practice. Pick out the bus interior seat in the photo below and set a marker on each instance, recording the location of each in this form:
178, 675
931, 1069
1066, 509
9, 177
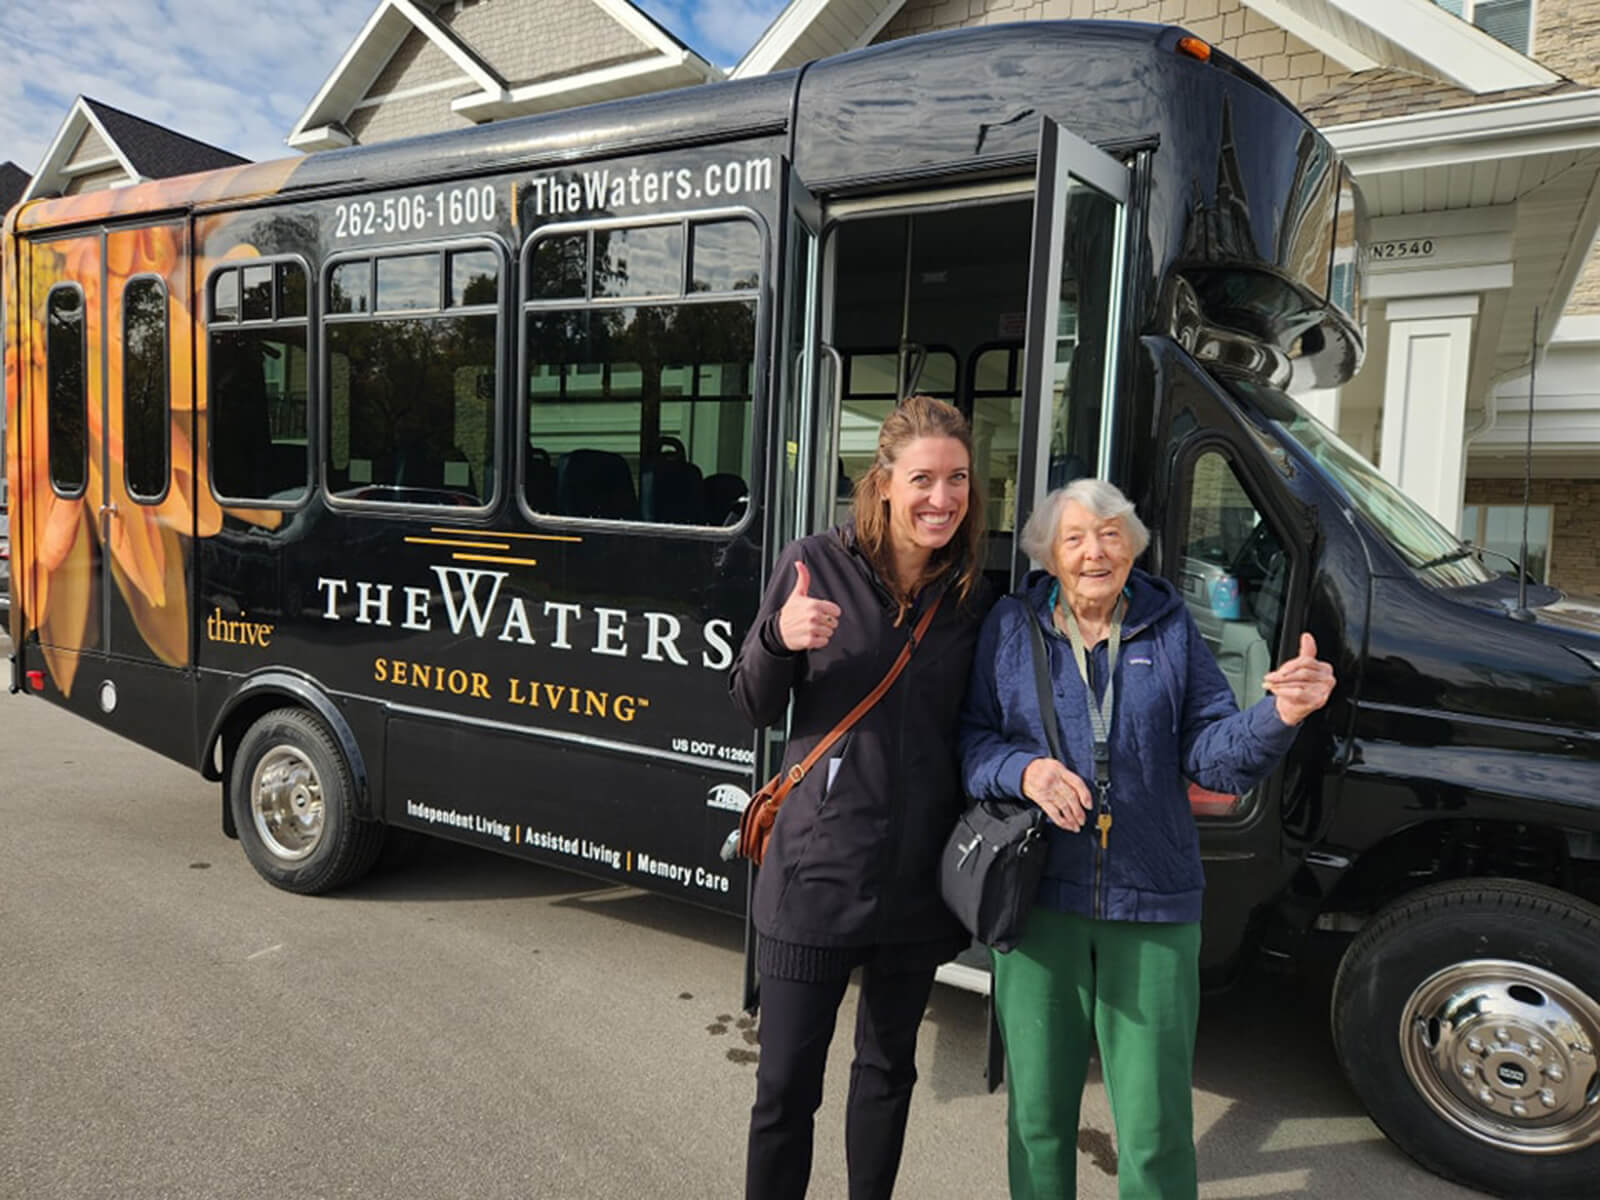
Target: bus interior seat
539, 480
844, 496
1245, 650
1244, 656
671, 491
595, 483
726, 497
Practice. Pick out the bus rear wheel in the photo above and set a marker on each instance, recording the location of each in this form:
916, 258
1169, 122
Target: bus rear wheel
293, 803
1467, 1017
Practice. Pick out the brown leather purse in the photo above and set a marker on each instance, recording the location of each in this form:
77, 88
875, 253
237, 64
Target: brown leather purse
755, 826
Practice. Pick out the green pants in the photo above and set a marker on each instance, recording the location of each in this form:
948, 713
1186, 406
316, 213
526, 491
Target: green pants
1135, 988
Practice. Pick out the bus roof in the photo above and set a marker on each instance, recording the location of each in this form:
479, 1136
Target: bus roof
959, 99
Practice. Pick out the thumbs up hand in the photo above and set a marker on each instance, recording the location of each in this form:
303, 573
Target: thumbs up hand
1301, 685
804, 622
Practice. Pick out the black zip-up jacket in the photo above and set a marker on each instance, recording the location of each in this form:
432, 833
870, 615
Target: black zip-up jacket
853, 859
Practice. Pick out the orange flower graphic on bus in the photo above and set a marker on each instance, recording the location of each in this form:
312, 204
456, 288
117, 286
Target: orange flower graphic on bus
145, 539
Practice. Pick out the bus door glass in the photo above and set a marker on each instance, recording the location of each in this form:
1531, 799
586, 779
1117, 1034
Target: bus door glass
926, 293
145, 457
806, 412
63, 498
1074, 295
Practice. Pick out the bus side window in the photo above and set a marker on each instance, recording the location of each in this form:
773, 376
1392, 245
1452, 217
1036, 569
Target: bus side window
258, 394
412, 381
1232, 572
995, 385
146, 433
639, 369
67, 412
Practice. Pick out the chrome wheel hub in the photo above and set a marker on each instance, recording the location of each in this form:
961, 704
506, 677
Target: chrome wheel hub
1507, 1052
286, 803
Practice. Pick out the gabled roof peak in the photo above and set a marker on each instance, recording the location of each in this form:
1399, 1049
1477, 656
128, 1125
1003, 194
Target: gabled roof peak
138, 147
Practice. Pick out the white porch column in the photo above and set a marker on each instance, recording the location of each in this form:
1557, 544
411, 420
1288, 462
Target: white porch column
1425, 400
1323, 404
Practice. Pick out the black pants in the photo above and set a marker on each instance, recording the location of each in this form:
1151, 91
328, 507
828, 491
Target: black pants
797, 1021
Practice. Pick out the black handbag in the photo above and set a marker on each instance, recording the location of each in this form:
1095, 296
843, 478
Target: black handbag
994, 858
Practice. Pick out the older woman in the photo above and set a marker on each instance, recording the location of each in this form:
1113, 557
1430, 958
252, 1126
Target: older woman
850, 876
1111, 948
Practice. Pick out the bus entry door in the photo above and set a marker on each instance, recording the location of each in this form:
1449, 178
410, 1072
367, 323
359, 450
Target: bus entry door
1075, 287
146, 457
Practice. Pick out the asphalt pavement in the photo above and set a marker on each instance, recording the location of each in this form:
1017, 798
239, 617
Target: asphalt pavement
470, 1026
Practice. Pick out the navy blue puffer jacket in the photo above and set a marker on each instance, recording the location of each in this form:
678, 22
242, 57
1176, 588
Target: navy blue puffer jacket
1175, 719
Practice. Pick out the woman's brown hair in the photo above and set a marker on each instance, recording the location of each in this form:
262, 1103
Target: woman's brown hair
917, 417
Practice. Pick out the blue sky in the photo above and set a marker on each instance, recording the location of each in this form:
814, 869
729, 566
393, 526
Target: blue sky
234, 73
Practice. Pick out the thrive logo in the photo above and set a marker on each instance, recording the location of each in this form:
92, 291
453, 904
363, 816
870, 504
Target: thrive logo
237, 631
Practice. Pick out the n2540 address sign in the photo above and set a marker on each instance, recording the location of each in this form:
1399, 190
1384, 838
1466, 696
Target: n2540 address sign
1401, 248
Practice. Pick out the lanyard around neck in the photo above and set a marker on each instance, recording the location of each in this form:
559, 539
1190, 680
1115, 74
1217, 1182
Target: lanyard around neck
1101, 711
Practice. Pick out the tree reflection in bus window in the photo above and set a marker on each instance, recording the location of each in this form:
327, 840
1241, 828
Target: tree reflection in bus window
1076, 369
412, 389
258, 391
638, 262
67, 412
642, 412
146, 435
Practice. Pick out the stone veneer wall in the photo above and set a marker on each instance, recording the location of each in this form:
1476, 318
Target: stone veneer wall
1566, 38
414, 115
1294, 68
1585, 299
530, 40
1575, 524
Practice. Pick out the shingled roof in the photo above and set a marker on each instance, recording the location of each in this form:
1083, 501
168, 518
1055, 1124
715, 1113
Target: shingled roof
1390, 92
155, 151
13, 182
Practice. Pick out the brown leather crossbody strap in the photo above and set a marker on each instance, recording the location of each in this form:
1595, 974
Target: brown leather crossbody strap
798, 772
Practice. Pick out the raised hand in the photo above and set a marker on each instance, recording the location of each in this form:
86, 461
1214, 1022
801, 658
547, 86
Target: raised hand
1064, 797
1301, 685
806, 623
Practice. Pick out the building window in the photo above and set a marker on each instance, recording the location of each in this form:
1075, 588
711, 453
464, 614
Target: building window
639, 361
1497, 528
412, 378
146, 453
67, 416
259, 397
1508, 21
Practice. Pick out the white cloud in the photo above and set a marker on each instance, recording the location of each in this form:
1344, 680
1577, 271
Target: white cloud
234, 73
229, 72
728, 28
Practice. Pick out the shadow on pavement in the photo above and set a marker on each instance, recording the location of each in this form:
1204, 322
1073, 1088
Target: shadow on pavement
434, 870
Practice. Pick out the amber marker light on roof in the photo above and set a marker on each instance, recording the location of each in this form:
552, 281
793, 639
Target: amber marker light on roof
1194, 48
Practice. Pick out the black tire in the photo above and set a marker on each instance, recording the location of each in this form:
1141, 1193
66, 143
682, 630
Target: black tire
1477, 974
293, 801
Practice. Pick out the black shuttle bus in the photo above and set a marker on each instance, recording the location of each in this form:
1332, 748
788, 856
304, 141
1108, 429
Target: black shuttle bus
431, 485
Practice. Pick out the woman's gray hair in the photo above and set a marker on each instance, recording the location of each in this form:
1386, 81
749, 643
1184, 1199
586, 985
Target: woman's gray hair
1104, 500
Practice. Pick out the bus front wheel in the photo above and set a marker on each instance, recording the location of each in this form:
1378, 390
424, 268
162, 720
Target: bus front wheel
294, 805
1467, 1017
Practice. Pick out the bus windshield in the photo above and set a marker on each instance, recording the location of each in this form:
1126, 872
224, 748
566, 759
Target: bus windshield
1426, 545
